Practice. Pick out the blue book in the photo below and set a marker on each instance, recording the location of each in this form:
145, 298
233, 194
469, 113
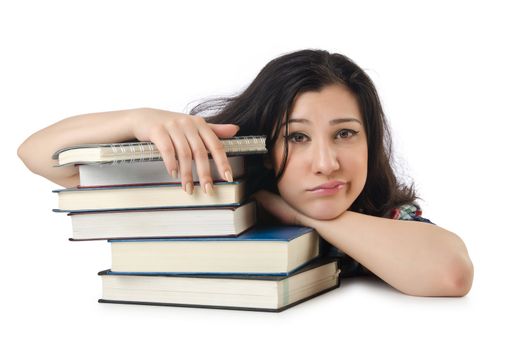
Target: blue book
264, 250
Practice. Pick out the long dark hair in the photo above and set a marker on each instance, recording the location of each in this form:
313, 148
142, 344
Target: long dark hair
270, 97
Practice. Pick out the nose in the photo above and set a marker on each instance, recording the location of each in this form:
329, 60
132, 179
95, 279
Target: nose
325, 160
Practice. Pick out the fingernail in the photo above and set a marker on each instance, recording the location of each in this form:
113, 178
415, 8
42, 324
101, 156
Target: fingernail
188, 188
209, 189
174, 174
228, 176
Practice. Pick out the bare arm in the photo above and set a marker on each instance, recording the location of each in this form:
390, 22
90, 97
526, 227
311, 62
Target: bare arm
104, 127
179, 137
416, 258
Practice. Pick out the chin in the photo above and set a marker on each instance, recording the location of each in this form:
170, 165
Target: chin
325, 213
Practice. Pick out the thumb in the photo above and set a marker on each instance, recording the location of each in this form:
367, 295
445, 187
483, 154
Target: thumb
224, 130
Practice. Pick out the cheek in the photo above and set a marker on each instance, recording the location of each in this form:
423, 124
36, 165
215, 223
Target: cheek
362, 161
287, 184
290, 185
360, 170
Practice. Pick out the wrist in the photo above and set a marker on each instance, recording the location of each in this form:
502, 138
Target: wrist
134, 120
326, 227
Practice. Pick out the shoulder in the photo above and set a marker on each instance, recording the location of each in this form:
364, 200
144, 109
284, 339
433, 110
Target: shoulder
410, 211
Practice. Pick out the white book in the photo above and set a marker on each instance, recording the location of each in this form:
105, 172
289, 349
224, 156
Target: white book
147, 197
249, 292
145, 172
183, 222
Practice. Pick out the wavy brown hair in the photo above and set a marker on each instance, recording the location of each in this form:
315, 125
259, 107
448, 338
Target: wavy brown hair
271, 96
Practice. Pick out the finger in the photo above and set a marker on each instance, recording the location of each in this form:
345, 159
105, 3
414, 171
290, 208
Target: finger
164, 145
200, 156
224, 130
184, 155
217, 150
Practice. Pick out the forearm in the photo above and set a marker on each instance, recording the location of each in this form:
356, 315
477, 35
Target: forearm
415, 258
106, 127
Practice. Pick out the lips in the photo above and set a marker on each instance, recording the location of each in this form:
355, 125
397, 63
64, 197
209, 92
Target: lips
328, 185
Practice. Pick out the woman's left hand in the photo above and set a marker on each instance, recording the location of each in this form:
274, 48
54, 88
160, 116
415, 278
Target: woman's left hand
278, 207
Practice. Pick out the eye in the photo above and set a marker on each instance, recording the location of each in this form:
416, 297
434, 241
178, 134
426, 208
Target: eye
296, 137
346, 133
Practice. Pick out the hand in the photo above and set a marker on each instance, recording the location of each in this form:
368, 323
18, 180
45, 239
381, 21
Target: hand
279, 208
180, 138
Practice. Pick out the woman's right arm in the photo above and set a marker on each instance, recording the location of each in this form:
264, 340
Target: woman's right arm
180, 138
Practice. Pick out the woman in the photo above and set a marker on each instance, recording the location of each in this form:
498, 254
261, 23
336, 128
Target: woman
329, 166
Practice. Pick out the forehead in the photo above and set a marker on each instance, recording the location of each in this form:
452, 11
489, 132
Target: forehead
334, 101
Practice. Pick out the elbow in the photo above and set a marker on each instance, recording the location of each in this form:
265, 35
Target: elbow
459, 277
21, 152
455, 280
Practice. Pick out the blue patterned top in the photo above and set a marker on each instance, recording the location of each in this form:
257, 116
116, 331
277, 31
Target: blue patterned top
349, 267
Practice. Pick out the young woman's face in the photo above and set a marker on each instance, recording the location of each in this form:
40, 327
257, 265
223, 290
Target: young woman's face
328, 148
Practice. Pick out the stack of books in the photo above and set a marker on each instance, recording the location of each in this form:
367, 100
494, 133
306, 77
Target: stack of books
199, 250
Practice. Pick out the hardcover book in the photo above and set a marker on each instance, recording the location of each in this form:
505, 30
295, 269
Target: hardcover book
144, 173
158, 223
250, 292
260, 250
147, 196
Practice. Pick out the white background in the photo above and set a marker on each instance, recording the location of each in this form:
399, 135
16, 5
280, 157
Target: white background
452, 78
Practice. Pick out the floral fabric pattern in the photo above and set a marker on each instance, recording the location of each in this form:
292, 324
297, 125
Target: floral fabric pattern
408, 212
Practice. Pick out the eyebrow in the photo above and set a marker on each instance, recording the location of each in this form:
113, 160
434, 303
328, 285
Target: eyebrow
331, 122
